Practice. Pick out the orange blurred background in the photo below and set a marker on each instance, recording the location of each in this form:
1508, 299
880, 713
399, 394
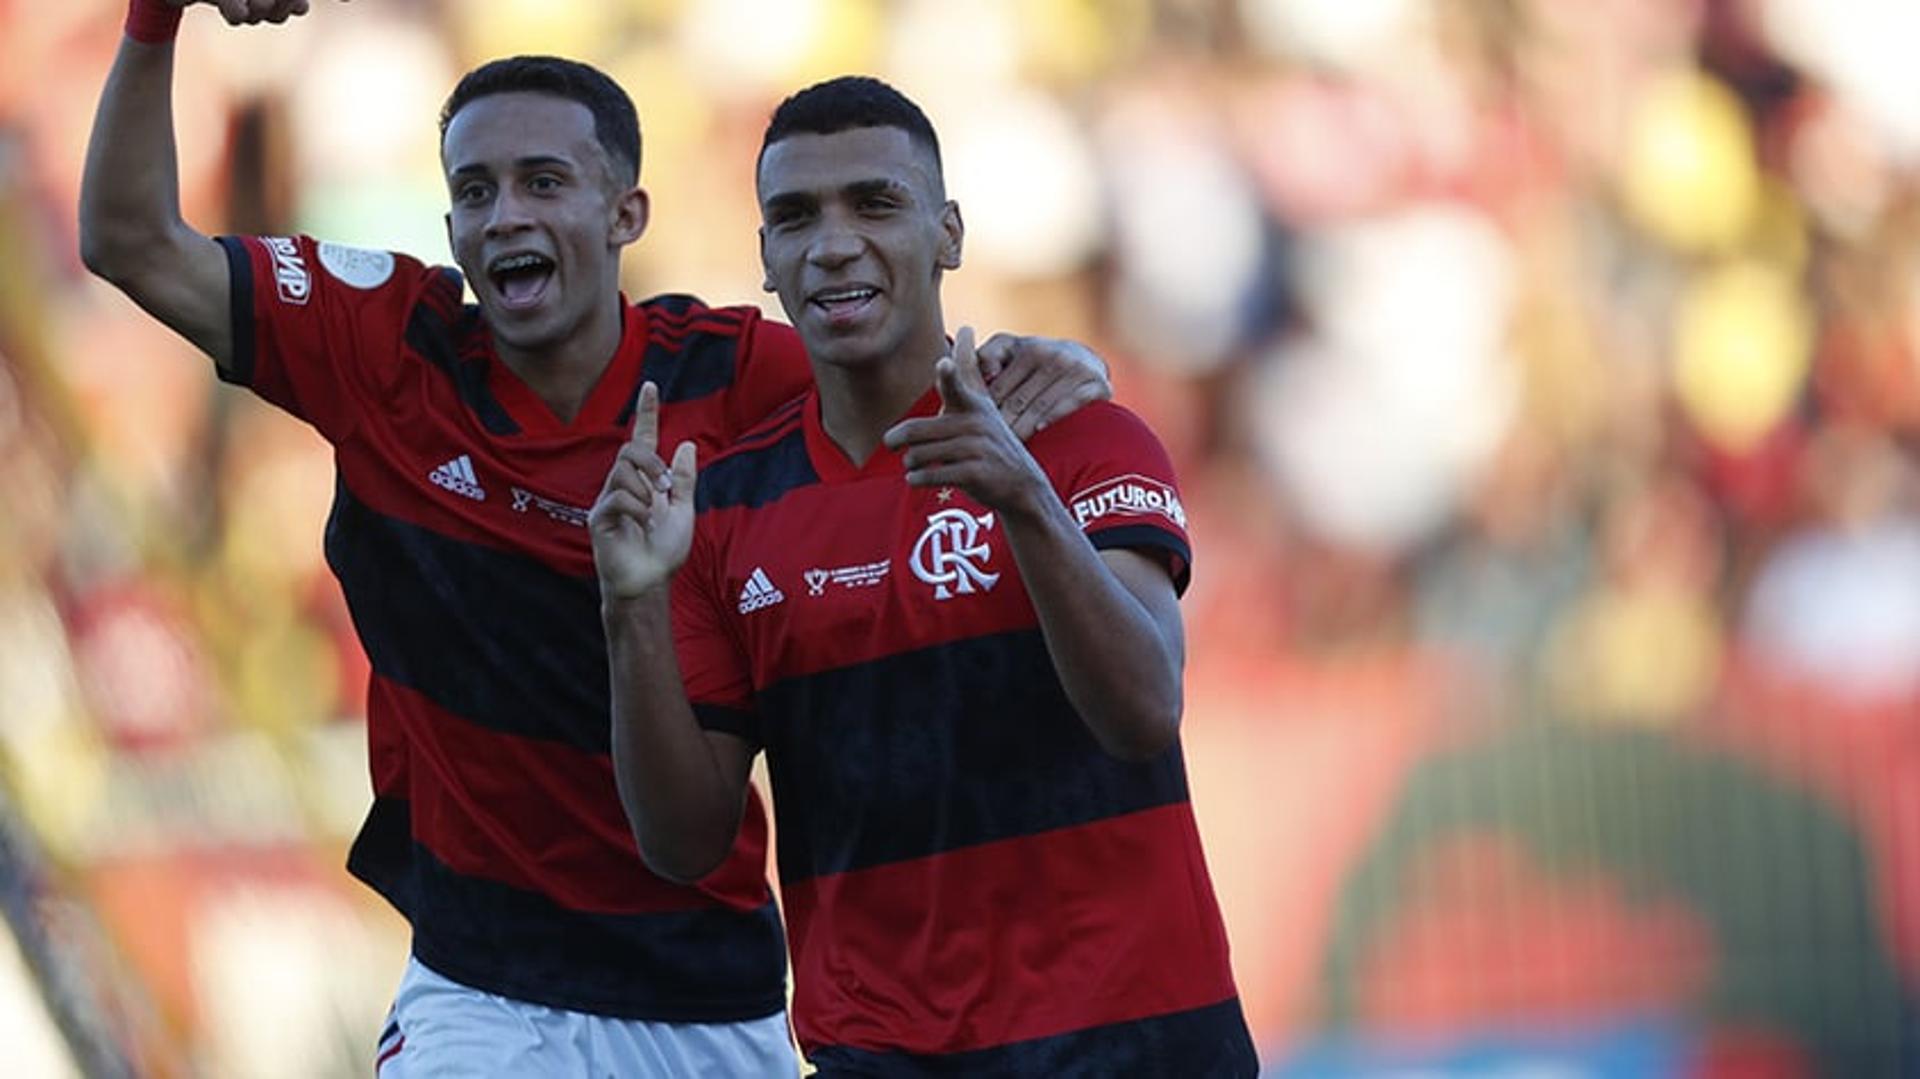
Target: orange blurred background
1544, 380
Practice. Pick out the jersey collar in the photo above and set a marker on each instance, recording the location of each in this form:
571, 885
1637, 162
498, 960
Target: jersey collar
832, 465
611, 394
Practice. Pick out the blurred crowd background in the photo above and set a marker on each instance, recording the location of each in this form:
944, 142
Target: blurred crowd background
1544, 380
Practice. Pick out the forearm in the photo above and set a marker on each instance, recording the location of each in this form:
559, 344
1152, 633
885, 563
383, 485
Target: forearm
1119, 664
130, 190
682, 804
131, 231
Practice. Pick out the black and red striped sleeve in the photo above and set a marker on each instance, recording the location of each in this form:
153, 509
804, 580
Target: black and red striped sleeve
319, 328
1118, 483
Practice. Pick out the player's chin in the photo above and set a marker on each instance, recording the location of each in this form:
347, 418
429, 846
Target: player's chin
524, 331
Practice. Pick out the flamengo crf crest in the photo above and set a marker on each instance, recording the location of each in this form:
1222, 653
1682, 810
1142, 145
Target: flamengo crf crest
951, 555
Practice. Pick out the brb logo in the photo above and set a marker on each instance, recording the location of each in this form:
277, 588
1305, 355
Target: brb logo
951, 555
289, 269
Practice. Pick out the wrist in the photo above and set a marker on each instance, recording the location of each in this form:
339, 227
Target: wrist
626, 602
1033, 503
152, 22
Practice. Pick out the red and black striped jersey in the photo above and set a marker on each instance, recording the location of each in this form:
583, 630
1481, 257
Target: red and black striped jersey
458, 535
967, 875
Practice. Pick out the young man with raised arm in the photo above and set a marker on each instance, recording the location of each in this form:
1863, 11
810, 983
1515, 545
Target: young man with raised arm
470, 440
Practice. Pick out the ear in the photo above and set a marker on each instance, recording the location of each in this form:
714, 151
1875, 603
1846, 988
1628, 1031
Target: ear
954, 231
631, 211
766, 272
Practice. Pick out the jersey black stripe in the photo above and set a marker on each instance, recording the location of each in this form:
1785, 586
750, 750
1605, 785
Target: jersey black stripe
673, 342
672, 305
712, 320
671, 313
433, 336
743, 725
714, 965
940, 748
239, 369
779, 423
1210, 1041
697, 367
757, 476
495, 638
1151, 541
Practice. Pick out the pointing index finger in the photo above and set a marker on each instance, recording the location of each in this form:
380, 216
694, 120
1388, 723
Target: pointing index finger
964, 356
960, 381
646, 418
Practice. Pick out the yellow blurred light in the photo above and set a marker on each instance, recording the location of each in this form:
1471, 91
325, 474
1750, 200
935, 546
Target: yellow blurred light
1647, 656
275, 498
654, 12
495, 28
287, 679
1689, 173
848, 38
1778, 232
752, 47
675, 117
1742, 337
61, 781
1074, 40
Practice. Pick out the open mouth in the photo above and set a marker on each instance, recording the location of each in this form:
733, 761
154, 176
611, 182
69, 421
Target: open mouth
841, 304
521, 279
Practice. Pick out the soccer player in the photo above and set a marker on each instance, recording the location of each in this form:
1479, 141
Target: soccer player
470, 441
961, 655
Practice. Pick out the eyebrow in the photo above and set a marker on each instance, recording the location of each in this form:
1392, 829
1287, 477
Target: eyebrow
799, 200
878, 187
520, 164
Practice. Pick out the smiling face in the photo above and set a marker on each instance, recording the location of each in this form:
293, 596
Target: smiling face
854, 235
538, 220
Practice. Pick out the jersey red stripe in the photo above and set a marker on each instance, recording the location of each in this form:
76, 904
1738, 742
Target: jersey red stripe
1006, 941
569, 838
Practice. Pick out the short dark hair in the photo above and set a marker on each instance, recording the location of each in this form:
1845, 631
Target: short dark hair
848, 102
615, 123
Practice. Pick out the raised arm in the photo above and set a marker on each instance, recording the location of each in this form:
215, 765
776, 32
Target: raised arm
131, 231
683, 788
1111, 618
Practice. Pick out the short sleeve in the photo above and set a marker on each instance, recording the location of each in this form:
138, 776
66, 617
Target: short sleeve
319, 329
713, 663
1118, 484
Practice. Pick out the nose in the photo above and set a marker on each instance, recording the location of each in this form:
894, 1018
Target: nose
508, 213
835, 244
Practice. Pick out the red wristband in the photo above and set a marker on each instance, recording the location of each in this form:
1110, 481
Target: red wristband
154, 22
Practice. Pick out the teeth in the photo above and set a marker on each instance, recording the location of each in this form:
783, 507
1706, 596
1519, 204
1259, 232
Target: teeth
847, 294
518, 262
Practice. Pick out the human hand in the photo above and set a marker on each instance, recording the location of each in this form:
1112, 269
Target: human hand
970, 444
642, 523
249, 12
1038, 380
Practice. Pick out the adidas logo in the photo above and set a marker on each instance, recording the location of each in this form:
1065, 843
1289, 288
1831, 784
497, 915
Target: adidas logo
457, 476
759, 592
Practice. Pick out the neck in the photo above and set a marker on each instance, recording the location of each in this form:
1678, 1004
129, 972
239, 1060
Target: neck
858, 404
563, 374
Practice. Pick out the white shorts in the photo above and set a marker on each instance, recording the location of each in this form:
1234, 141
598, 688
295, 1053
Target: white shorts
439, 1027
